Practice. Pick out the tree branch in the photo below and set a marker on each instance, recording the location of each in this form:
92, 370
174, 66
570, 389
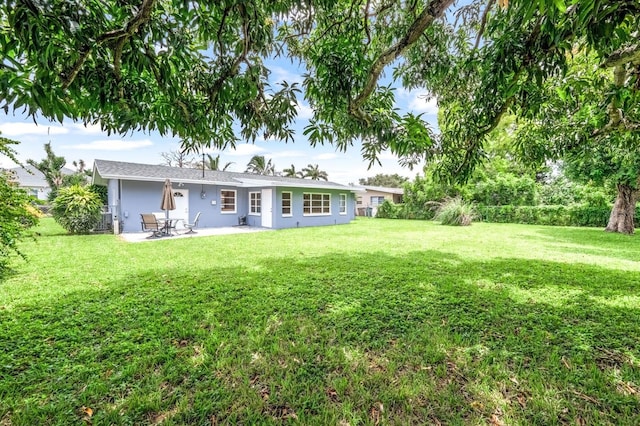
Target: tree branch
121, 35
422, 22
222, 23
366, 21
623, 56
75, 69
233, 68
483, 23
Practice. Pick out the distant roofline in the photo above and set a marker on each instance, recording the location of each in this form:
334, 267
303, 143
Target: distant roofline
364, 188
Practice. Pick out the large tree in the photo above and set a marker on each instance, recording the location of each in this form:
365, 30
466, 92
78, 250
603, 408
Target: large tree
386, 180
194, 68
590, 118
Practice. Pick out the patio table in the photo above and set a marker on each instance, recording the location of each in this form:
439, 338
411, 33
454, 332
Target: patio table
167, 225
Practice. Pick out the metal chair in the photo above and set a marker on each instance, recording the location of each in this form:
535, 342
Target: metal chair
150, 224
190, 226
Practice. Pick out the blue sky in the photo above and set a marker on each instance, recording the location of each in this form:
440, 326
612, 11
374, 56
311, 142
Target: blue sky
74, 141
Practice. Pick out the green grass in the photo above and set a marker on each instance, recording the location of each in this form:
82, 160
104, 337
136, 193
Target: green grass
380, 321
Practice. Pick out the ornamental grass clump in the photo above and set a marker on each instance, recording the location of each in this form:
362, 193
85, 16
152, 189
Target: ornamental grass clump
455, 211
77, 209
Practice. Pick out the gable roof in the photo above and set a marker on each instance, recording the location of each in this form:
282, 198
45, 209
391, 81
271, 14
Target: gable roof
30, 177
106, 169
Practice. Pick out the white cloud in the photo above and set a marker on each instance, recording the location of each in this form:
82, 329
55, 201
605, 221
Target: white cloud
326, 156
288, 154
280, 74
388, 155
244, 149
19, 129
416, 101
89, 129
420, 104
261, 138
111, 145
304, 111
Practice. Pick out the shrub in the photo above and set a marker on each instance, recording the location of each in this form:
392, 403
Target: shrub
455, 211
562, 191
389, 210
16, 217
505, 189
102, 193
421, 193
77, 209
575, 215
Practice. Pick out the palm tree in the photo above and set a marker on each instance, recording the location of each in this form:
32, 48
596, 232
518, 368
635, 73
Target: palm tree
260, 166
313, 171
213, 163
51, 168
292, 172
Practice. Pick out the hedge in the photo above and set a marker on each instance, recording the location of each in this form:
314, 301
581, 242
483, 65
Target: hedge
573, 215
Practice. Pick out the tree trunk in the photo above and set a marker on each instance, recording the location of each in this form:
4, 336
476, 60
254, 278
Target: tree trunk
621, 219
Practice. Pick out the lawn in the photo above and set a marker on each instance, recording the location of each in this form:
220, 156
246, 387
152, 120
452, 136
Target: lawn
377, 322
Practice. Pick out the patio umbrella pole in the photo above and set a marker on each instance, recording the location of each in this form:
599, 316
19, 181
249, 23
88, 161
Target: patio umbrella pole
168, 201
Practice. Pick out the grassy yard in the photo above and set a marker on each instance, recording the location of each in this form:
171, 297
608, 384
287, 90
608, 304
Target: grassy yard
377, 322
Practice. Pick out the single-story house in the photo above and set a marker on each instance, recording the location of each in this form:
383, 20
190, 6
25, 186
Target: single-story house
370, 197
32, 180
223, 198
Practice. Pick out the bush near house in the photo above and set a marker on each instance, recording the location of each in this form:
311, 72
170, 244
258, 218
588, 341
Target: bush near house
77, 209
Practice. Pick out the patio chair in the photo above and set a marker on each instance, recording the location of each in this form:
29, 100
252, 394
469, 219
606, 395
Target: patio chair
150, 224
190, 226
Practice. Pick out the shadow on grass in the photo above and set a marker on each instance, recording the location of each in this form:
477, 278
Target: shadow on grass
421, 338
593, 242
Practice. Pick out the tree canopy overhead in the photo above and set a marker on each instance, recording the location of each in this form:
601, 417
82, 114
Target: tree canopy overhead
194, 68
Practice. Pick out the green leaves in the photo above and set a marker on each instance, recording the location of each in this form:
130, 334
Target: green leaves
199, 72
77, 209
16, 213
184, 71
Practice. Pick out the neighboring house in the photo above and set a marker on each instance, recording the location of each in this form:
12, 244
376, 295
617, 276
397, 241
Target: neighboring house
32, 180
224, 198
370, 197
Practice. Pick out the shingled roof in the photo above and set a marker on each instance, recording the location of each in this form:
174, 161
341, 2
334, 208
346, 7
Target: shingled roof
106, 169
30, 177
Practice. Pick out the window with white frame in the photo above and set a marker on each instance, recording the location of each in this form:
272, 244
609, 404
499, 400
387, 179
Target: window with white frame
343, 203
286, 204
359, 200
228, 201
376, 201
316, 204
255, 203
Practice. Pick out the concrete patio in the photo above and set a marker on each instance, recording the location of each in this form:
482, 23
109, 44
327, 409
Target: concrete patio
138, 237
